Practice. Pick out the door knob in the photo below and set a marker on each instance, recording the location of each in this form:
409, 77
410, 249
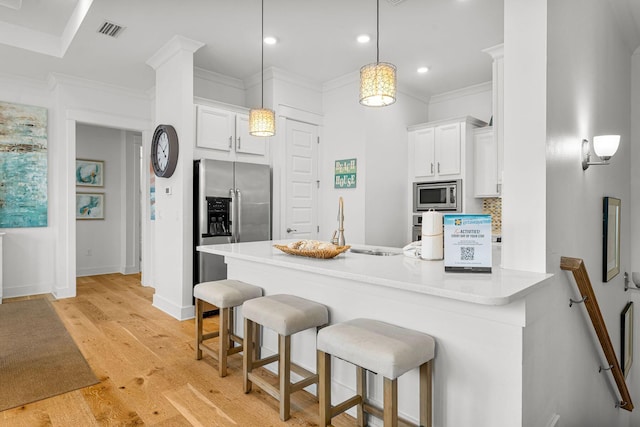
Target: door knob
289, 230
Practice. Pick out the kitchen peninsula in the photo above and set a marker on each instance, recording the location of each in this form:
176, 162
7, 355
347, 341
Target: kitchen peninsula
482, 323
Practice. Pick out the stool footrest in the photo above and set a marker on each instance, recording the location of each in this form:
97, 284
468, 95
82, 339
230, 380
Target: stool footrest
210, 335
378, 412
236, 338
265, 361
234, 350
349, 403
305, 382
210, 351
264, 385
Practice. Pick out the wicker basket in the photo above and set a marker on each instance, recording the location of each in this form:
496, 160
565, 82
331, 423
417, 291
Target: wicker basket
315, 253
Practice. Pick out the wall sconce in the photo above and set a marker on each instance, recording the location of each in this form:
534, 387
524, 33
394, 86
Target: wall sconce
604, 146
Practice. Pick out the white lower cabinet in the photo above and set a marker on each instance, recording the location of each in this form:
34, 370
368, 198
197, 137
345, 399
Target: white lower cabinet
485, 176
225, 136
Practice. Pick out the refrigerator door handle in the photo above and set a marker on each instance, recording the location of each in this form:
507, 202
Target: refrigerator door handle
234, 224
239, 215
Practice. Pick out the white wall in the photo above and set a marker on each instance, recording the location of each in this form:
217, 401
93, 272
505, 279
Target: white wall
588, 93
98, 241
29, 253
377, 138
210, 85
472, 101
43, 260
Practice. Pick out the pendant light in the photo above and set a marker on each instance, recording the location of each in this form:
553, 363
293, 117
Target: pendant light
378, 80
262, 121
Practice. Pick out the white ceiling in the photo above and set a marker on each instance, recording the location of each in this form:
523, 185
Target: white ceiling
316, 38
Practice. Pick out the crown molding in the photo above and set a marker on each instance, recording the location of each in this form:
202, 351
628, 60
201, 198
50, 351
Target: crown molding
171, 48
353, 78
214, 77
496, 51
459, 93
56, 79
24, 81
278, 74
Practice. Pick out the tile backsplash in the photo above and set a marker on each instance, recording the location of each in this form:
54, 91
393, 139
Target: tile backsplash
493, 206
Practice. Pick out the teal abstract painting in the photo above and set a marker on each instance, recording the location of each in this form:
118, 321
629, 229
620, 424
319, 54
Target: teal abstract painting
23, 166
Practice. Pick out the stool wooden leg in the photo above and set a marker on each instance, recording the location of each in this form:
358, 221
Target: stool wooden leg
199, 309
232, 327
390, 402
324, 387
223, 342
284, 372
426, 394
361, 390
247, 354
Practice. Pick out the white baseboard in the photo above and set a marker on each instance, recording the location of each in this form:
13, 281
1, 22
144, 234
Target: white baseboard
27, 290
94, 271
180, 313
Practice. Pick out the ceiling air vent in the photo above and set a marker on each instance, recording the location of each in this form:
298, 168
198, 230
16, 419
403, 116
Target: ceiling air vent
110, 29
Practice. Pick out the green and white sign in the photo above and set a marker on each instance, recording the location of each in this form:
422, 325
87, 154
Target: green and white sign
345, 173
467, 243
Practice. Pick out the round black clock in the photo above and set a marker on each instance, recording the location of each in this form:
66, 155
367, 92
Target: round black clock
164, 150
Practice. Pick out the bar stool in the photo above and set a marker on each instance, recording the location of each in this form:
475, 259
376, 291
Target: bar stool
226, 295
378, 347
286, 315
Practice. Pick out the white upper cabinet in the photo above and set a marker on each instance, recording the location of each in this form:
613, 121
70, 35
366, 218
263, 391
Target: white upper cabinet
440, 151
423, 140
447, 148
224, 134
485, 171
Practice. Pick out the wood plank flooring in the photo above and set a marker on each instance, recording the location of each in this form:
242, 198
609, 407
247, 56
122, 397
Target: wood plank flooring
147, 369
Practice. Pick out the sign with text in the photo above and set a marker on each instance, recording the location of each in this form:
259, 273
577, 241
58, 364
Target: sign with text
345, 173
467, 243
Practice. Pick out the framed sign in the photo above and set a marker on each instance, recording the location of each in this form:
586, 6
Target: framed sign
345, 173
611, 238
467, 243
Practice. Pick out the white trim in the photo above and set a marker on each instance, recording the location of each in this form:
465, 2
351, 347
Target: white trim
278, 74
171, 48
73, 24
300, 115
55, 79
94, 271
27, 290
214, 77
459, 93
180, 313
496, 51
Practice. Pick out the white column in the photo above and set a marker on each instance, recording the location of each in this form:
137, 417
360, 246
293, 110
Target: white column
173, 249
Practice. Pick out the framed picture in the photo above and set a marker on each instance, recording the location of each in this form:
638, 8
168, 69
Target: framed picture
626, 322
611, 238
89, 173
89, 205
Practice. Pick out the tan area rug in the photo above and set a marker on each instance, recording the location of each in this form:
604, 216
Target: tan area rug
38, 358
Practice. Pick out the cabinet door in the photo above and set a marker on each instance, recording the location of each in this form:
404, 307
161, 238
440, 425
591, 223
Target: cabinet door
247, 143
215, 128
485, 164
424, 163
447, 149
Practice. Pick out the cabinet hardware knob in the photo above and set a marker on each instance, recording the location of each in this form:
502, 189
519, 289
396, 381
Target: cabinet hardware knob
230, 141
238, 143
438, 167
432, 168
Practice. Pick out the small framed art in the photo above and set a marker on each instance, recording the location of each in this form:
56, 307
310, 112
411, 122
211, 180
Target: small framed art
89, 173
611, 238
89, 205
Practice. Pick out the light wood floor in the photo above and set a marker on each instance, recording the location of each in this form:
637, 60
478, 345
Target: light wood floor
148, 373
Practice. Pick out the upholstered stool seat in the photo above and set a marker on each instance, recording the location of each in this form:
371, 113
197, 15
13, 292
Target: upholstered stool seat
226, 295
384, 349
286, 315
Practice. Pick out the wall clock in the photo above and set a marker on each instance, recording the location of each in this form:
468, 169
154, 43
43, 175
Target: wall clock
164, 151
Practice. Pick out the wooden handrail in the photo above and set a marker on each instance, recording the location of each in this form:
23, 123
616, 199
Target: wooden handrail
576, 265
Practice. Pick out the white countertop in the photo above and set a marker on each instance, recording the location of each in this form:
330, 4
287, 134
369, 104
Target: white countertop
410, 274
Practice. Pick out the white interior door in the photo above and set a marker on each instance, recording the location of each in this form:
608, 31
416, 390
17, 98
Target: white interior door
301, 211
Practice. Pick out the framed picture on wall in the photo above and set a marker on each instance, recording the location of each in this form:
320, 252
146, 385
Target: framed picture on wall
611, 238
89, 205
626, 323
89, 173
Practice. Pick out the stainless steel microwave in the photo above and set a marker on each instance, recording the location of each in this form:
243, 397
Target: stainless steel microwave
439, 196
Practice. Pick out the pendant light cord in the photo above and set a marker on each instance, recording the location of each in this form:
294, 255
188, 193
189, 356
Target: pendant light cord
377, 31
262, 59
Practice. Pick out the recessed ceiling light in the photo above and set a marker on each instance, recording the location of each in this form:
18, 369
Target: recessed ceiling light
270, 40
423, 70
363, 38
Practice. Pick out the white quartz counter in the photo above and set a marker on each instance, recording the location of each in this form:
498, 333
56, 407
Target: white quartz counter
500, 287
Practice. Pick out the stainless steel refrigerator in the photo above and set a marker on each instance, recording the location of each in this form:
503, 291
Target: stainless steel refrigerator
232, 203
